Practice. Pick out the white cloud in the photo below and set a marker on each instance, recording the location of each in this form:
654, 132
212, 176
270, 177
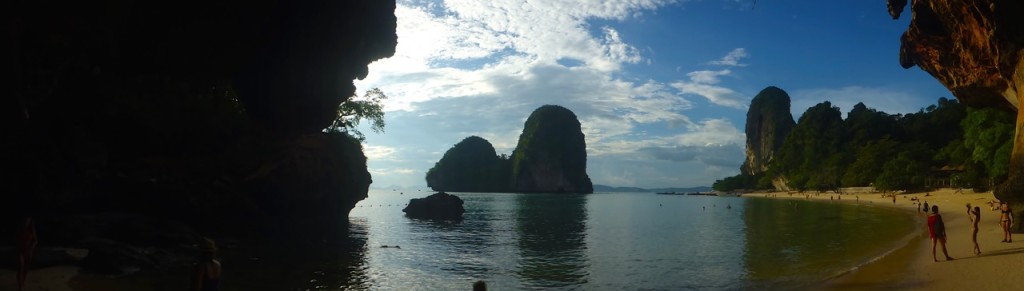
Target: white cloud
378, 152
468, 67
732, 59
705, 83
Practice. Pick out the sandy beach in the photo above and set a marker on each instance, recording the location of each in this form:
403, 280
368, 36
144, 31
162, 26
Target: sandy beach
912, 267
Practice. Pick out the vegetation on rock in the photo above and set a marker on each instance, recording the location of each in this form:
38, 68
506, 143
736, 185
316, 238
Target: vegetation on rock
550, 157
890, 152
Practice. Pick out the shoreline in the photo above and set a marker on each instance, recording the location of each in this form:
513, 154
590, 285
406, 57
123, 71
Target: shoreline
910, 266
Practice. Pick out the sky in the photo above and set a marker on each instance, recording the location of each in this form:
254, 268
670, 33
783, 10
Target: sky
661, 87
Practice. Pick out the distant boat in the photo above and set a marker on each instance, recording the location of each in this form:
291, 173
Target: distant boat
668, 193
703, 193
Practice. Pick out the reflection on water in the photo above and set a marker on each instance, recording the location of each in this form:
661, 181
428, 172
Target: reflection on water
552, 239
300, 264
792, 242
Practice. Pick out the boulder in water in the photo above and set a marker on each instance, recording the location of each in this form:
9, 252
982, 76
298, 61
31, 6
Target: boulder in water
439, 205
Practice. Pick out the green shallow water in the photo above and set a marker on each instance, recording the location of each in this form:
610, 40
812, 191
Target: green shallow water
794, 242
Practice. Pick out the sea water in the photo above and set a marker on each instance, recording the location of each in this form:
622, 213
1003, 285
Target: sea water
602, 241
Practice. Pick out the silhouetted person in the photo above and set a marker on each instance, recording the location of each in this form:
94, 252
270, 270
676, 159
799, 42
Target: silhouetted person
937, 232
479, 286
26, 243
975, 216
208, 271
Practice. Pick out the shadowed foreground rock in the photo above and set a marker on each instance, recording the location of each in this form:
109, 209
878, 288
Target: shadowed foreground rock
439, 205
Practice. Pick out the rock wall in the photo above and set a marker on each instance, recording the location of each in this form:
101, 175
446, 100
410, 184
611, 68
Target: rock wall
123, 106
974, 47
768, 122
552, 154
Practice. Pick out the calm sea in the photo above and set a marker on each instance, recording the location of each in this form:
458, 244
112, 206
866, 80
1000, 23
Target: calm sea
602, 241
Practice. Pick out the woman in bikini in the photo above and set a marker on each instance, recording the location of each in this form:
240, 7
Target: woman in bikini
937, 232
1005, 220
975, 217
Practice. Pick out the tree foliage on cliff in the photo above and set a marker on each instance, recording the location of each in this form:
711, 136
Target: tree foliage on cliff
369, 107
944, 144
470, 166
550, 157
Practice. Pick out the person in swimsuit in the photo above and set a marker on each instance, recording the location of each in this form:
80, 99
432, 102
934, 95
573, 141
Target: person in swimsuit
975, 217
1005, 220
937, 232
27, 242
208, 271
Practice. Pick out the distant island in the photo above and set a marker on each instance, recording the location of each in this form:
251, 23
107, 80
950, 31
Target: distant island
604, 188
550, 157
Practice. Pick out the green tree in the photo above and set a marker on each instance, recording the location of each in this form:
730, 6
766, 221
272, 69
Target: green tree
988, 137
909, 170
808, 157
369, 107
868, 162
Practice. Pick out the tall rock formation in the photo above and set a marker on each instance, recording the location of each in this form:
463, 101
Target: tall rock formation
470, 166
122, 106
768, 123
976, 49
552, 154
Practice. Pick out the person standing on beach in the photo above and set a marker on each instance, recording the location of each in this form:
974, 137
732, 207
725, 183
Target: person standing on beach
975, 216
27, 242
937, 232
1006, 220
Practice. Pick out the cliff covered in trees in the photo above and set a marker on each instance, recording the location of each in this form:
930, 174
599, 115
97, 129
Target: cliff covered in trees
206, 112
943, 145
550, 157
471, 165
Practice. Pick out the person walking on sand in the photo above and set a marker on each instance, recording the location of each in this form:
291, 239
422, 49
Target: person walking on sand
975, 216
1006, 220
208, 271
937, 232
27, 242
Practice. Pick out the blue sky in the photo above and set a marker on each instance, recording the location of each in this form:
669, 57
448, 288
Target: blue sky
661, 88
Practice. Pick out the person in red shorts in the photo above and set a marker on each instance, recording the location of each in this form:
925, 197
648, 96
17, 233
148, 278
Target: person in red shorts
937, 232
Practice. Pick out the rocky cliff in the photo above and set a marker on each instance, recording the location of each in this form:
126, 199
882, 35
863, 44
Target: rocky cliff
551, 155
470, 166
974, 47
125, 107
768, 123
